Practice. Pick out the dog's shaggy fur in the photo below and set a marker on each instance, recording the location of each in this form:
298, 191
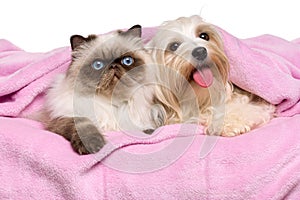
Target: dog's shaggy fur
194, 73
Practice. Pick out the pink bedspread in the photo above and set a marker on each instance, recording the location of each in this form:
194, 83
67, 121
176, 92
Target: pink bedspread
178, 161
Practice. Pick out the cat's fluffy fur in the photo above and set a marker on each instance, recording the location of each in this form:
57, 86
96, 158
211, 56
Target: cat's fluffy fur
190, 54
103, 91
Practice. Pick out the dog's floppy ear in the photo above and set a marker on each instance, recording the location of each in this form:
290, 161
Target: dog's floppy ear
77, 40
135, 31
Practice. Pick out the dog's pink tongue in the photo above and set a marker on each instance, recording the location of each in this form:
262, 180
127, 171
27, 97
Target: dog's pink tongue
203, 77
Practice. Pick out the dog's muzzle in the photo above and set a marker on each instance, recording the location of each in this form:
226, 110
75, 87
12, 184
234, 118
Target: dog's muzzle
202, 73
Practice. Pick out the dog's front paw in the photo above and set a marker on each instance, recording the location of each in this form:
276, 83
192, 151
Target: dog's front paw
231, 130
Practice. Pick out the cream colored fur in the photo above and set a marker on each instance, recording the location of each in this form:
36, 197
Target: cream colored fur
222, 108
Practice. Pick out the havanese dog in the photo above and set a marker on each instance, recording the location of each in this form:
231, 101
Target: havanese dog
195, 71
109, 86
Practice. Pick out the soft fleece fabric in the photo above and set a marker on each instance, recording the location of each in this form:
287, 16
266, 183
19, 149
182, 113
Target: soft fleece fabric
268, 66
178, 161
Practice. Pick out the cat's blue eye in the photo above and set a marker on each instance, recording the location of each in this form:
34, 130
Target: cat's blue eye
97, 64
127, 61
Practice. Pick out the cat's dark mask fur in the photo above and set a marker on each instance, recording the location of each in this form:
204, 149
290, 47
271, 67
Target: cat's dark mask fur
100, 62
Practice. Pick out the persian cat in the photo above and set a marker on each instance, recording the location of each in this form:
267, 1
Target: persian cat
109, 86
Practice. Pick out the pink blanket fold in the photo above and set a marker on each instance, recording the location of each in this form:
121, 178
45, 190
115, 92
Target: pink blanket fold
178, 161
263, 164
25, 76
267, 66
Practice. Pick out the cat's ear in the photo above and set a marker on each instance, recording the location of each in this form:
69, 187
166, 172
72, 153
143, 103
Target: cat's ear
135, 31
77, 40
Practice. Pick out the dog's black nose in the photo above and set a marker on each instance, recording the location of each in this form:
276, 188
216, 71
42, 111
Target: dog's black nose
200, 53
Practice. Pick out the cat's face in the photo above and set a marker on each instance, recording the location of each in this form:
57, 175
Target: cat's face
99, 63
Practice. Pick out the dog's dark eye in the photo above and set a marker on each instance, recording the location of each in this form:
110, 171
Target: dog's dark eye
174, 46
204, 36
127, 61
97, 64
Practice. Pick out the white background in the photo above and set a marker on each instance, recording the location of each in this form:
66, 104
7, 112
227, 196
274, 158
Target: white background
39, 25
